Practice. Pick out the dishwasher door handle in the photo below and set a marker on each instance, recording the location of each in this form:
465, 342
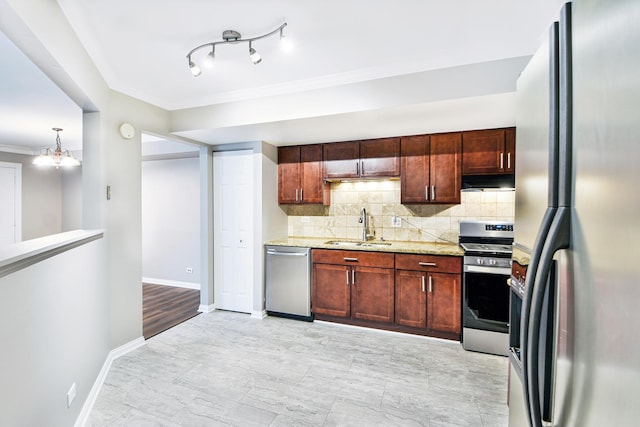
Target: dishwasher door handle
286, 253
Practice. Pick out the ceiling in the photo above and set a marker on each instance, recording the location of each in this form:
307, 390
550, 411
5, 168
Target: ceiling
140, 48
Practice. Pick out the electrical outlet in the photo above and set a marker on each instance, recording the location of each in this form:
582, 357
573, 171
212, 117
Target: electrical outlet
305, 220
189, 270
396, 221
71, 394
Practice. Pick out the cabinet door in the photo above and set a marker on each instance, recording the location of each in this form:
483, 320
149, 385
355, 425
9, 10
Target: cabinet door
414, 177
331, 291
510, 149
341, 160
380, 157
288, 174
312, 189
443, 302
410, 299
372, 294
483, 152
446, 161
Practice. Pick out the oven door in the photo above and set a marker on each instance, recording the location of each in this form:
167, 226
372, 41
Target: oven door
486, 298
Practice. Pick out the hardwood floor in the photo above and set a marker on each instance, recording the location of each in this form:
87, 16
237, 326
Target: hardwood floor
163, 307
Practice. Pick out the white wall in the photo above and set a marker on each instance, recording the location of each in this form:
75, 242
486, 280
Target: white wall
171, 221
106, 295
72, 199
53, 324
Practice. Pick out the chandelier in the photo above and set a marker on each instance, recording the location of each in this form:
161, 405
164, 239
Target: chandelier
232, 36
57, 157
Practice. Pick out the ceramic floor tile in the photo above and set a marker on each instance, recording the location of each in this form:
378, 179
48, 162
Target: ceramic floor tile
225, 368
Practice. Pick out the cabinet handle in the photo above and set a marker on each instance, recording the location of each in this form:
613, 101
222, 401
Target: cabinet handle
357, 168
362, 168
428, 264
347, 271
296, 194
508, 160
301, 199
430, 284
353, 276
350, 259
426, 192
422, 284
501, 160
433, 192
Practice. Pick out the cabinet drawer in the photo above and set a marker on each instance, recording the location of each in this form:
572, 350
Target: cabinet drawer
360, 258
439, 263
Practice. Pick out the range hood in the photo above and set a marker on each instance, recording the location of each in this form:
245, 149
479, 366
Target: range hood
488, 182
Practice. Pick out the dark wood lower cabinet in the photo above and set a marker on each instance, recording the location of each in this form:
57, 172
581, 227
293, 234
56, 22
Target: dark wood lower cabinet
444, 303
331, 292
419, 294
372, 294
411, 299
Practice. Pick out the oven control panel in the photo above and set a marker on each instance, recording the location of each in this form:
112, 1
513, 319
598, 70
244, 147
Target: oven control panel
499, 227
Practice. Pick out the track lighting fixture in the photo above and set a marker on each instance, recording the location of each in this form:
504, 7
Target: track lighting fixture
57, 157
232, 36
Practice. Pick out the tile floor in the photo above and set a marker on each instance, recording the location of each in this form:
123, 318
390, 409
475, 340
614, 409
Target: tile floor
225, 368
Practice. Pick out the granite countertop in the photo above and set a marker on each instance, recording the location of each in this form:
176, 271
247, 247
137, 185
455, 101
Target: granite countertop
430, 248
520, 256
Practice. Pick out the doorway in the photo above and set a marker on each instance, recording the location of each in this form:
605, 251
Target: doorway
170, 190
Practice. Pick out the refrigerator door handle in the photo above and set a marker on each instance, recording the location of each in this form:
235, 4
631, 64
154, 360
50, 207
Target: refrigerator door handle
549, 215
558, 238
532, 273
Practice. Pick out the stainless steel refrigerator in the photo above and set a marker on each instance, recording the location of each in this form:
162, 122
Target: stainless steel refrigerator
575, 314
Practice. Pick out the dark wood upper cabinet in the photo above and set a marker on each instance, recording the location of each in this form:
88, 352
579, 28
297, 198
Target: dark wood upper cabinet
431, 168
300, 175
380, 157
510, 150
414, 178
487, 152
362, 159
341, 160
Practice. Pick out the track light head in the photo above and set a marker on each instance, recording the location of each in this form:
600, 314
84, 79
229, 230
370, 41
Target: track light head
285, 42
195, 70
209, 60
255, 56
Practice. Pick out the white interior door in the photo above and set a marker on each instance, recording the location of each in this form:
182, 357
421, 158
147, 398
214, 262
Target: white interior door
10, 203
233, 230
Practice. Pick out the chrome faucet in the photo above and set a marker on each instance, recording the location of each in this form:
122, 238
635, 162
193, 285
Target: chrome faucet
363, 220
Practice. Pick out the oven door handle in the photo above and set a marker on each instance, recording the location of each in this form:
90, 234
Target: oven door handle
485, 269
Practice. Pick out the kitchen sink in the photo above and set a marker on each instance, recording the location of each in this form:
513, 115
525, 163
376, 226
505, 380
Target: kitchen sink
343, 243
352, 243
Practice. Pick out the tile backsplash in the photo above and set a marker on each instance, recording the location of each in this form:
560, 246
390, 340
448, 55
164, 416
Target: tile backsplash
381, 199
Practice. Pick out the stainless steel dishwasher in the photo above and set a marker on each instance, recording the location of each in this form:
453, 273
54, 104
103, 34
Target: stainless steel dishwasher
288, 282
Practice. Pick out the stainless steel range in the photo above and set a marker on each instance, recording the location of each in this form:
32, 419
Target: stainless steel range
487, 249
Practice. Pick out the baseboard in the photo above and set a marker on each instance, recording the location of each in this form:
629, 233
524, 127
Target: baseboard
206, 308
175, 283
83, 418
258, 314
